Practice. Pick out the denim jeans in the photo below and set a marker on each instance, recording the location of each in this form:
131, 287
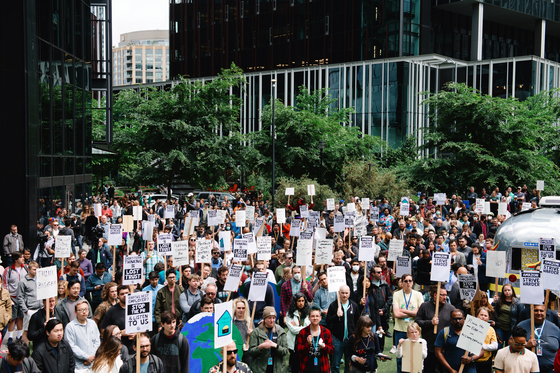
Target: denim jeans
339, 350
398, 335
504, 335
79, 240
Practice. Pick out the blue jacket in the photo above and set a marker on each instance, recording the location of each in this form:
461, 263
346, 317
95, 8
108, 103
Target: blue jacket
482, 278
105, 255
95, 280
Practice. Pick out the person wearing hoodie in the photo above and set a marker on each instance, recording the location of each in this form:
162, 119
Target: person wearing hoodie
27, 297
170, 345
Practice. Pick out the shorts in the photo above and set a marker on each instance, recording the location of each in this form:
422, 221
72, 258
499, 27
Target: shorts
17, 313
27, 318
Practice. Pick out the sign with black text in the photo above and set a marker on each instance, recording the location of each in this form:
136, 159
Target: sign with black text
441, 266
180, 252
62, 246
46, 280
138, 312
240, 250
547, 248
257, 291
403, 266
531, 287
467, 286
164, 243
133, 270
115, 235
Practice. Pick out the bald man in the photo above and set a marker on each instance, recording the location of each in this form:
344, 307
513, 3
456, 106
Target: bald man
455, 294
231, 360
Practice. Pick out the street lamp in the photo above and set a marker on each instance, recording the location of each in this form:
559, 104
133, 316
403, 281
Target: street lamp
321, 147
273, 81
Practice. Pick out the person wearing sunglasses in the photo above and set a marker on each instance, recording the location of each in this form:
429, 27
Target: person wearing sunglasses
232, 365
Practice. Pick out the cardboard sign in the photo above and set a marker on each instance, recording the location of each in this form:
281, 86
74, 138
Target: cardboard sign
281, 216
480, 205
526, 206
311, 190
136, 213
289, 192
240, 218
251, 243
531, 287
223, 324
127, 223
336, 277
295, 228
180, 252
540, 184
46, 280
97, 209
487, 209
221, 216
551, 274
320, 233
366, 252
365, 204
62, 246
164, 243
405, 206
403, 266
169, 212
495, 264
303, 211
259, 283
473, 334
264, 247
547, 248
133, 270
225, 240
467, 286
115, 235
441, 264
339, 223
203, 252
412, 356
213, 217
233, 278
304, 252
374, 214
324, 251
330, 204
250, 213
351, 207
138, 312
395, 249
240, 249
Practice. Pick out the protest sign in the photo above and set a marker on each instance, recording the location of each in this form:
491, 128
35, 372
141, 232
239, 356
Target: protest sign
502, 208
350, 207
365, 203
531, 287
551, 274
304, 252
240, 250
259, 282
128, 226
339, 223
306, 236
233, 278
251, 244
169, 212
540, 184
312, 224
240, 218
467, 286
295, 228
439, 198
133, 270
330, 204
221, 216
194, 214
115, 235
180, 252
136, 213
314, 214
281, 216
152, 218
62, 246
303, 211
348, 221
212, 217
289, 191
480, 205
395, 249
264, 247
311, 190
526, 206
147, 230
320, 233
374, 214
487, 207
366, 252
412, 356
250, 213
225, 240
97, 209
324, 251
547, 248
405, 206
403, 266
441, 263
223, 327
495, 264
203, 253
164, 243
46, 279
473, 334
138, 313
257, 227
360, 226
336, 277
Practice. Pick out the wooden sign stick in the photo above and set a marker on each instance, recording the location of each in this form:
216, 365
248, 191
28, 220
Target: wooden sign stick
181, 275
114, 260
532, 324
437, 307
252, 319
224, 364
546, 299
463, 365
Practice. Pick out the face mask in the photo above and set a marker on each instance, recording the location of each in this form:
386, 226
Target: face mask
247, 267
297, 276
355, 268
228, 228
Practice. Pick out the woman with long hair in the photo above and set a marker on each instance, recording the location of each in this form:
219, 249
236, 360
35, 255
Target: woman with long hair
508, 308
107, 357
483, 301
296, 319
484, 362
62, 291
242, 319
362, 347
114, 331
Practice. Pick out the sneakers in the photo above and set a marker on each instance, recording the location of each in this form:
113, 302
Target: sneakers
393, 350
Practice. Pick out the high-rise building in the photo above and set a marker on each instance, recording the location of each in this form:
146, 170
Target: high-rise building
141, 57
376, 55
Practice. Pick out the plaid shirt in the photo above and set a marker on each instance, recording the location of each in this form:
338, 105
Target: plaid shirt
303, 348
151, 262
240, 367
286, 295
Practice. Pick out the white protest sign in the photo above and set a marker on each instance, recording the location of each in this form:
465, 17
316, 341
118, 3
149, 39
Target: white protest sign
403, 266
311, 190
351, 207
152, 218
195, 215
395, 249
46, 280
221, 216
240, 250
405, 206
180, 252
348, 221
203, 253
225, 240
295, 228
324, 251
439, 198
264, 247
502, 208
62, 246
97, 209
480, 205
257, 291
169, 212
360, 226
467, 286
540, 184
137, 212
250, 213
233, 278
133, 270
526, 206
289, 191
547, 248
240, 218
164, 243
366, 252
223, 327
473, 334
304, 252
551, 274
212, 218
374, 214
339, 223
281, 216
251, 244
365, 203
531, 287
303, 211
441, 264
487, 207
115, 235
320, 233
495, 264
330, 204
147, 230
257, 227
336, 277
312, 224
138, 312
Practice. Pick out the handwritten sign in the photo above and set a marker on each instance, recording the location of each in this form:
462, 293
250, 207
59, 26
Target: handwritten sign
46, 280
473, 334
526, 206
367, 251
551, 274
250, 212
495, 264
240, 250
547, 248
133, 270
164, 243
531, 287
403, 266
467, 286
63, 246
259, 282
180, 252
441, 264
264, 247
336, 277
233, 278
138, 313
203, 253
324, 251
480, 205
540, 184
395, 249
304, 252
330, 204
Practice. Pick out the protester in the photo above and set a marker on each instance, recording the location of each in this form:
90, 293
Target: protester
154, 287
13, 242
150, 258
85, 263
82, 335
242, 320
413, 335
170, 345
515, 357
191, 294
116, 316
109, 297
484, 362
55, 355
232, 365
17, 359
36, 330
290, 288
65, 310
296, 319
268, 345
107, 358
13, 275
148, 362
363, 347
96, 283
114, 331
314, 344
508, 308
27, 297
73, 274
167, 298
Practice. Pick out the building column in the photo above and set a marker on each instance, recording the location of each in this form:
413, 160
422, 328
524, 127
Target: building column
540, 37
401, 27
476, 32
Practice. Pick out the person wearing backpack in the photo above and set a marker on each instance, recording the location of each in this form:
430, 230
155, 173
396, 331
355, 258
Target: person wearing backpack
153, 363
16, 360
74, 274
13, 275
170, 345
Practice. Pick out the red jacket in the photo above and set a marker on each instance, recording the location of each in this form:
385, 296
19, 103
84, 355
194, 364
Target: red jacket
303, 348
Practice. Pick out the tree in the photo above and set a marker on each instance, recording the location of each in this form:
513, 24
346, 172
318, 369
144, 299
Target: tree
488, 141
322, 192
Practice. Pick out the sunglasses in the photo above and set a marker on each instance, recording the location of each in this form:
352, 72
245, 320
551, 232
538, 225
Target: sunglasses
192, 240
232, 352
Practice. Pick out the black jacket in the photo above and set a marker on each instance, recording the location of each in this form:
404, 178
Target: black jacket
383, 298
48, 362
336, 324
36, 332
155, 365
174, 354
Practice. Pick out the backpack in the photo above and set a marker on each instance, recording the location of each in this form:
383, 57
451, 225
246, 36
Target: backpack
65, 278
156, 340
132, 360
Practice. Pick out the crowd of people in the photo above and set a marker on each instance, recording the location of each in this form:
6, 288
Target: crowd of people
82, 329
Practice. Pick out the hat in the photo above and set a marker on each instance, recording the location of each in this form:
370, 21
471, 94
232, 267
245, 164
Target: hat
269, 311
341, 201
190, 195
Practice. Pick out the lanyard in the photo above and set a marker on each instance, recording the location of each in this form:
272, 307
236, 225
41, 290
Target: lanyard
538, 335
9, 370
406, 303
315, 342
